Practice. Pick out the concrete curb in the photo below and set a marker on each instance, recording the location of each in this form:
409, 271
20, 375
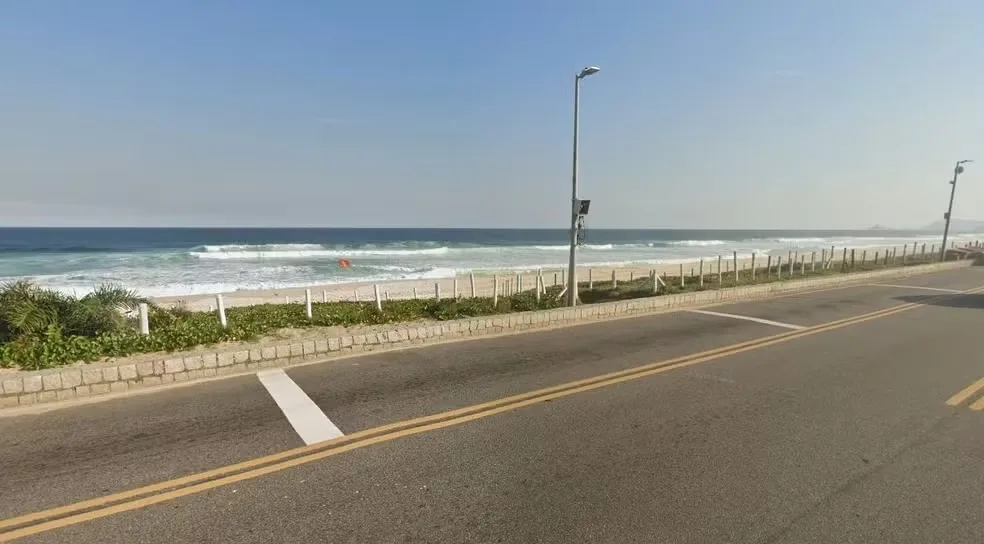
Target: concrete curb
78, 382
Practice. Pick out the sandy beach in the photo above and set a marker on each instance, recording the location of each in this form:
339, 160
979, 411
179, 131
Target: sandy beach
484, 284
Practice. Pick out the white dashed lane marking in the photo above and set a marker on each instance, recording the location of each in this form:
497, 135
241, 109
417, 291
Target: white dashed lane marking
749, 318
311, 424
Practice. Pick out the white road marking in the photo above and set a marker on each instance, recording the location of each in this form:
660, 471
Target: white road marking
916, 287
749, 318
303, 414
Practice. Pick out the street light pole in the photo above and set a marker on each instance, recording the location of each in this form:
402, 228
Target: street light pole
575, 204
957, 170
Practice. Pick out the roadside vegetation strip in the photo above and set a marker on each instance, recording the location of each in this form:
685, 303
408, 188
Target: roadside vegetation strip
34, 523
41, 328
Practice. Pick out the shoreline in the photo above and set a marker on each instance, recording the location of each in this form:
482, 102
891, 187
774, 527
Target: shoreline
485, 283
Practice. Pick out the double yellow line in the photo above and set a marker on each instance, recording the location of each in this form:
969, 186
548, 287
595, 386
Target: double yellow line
966, 393
64, 516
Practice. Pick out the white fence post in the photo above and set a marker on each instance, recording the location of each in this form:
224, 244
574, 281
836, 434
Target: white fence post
734, 255
720, 273
379, 301
700, 275
220, 304
415, 293
307, 303
324, 295
454, 288
437, 291
495, 290
144, 319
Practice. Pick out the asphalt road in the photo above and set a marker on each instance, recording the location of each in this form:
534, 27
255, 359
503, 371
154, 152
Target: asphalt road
840, 435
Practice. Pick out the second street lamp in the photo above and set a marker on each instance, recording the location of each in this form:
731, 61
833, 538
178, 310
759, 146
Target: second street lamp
957, 170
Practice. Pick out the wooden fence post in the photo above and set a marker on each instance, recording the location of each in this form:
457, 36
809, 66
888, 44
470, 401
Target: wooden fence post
144, 319
220, 304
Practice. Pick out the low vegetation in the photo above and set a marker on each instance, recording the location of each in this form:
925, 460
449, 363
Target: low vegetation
41, 328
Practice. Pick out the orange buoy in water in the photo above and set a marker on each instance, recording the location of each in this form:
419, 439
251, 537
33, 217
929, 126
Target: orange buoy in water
344, 263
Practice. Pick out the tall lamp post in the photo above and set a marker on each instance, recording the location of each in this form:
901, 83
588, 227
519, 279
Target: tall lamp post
575, 202
957, 170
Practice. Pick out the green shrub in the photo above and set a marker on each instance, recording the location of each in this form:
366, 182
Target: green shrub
40, 328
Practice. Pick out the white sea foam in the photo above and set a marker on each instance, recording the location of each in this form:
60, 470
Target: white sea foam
295, 253
699, 243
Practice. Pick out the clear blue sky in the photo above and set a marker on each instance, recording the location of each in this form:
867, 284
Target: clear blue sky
707, 114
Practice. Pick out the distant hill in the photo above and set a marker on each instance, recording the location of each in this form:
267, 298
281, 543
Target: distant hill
957, 225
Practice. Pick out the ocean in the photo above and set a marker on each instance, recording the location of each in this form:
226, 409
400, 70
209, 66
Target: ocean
183, 261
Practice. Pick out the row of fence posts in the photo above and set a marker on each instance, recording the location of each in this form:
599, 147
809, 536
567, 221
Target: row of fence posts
507, 287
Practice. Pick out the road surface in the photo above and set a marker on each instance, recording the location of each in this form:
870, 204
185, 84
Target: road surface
845, 415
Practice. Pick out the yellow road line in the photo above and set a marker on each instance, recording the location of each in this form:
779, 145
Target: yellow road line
196, 483
965, 393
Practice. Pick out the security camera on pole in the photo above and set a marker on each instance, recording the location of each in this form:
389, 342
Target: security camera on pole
579, 208
957, 170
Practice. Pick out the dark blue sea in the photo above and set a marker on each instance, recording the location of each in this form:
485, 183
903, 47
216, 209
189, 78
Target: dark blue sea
178, 261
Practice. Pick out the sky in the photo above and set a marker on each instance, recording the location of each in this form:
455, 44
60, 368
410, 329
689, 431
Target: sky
450, 113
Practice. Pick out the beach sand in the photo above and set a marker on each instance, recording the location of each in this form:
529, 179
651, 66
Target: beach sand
484, 284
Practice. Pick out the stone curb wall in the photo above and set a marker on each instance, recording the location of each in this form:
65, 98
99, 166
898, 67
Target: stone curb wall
66, 383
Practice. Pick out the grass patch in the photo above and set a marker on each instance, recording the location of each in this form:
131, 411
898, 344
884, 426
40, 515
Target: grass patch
41, 328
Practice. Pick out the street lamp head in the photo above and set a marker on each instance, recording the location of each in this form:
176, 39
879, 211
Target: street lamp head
588, 71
